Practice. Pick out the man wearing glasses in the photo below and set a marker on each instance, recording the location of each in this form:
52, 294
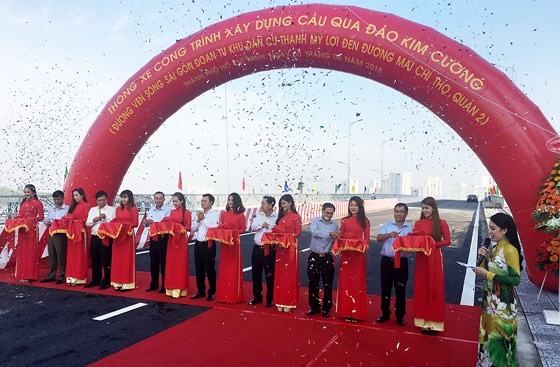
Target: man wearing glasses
389, 274
320, 264
100, 254
263, 222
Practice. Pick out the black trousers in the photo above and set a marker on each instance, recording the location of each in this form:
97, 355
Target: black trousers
158, 254
393, 277
205, 264
320, 267
260, 263
57, 246
100, 260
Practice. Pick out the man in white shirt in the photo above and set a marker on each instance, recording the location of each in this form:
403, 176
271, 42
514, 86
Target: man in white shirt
158, 246
57, 244
204, 256
100, 254
391, 276
263, 222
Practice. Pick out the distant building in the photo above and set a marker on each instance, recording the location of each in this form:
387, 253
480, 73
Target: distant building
432, 187
399, 183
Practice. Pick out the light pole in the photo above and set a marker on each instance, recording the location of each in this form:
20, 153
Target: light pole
350, 124
382, 172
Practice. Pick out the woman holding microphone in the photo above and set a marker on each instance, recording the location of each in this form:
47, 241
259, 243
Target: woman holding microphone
501, 269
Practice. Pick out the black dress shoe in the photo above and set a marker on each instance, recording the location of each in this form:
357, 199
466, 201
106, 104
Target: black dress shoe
401, 322
382, 318
210, 297
103, 286
92, 284
60, 281
151, 289
429, 332
313, 311
269, 304
255, 301
326, 314
162, 290
46, 280
198, 295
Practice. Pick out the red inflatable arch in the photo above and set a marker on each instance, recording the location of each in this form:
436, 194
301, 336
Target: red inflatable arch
504, 128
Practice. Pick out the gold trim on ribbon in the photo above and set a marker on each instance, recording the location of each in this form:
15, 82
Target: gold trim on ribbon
17, 227
101, 233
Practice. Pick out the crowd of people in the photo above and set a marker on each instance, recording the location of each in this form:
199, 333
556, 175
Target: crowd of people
108, 234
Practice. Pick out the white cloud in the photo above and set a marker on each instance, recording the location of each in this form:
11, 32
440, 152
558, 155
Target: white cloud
121, 24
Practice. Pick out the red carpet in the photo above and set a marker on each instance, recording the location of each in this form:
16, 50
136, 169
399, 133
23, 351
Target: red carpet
229, 337
257, 336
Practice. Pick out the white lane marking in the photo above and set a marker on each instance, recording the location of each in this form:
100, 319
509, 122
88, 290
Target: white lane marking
467, 297
119, 312
250, 267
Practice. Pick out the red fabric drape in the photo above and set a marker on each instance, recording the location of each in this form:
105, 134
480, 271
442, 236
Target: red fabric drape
429, 285
286, 273
420, 243
229, 288
177, 259
352, 296
123, 257
352, 247
77, 254
27, 261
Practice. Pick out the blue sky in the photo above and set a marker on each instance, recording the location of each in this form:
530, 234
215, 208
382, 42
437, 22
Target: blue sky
63, 60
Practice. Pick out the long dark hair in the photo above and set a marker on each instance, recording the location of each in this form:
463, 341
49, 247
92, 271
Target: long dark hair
436, 224
288, 198
127, 194
80, 191
237, 203
181, 198
33, 192
506, 222
361, 215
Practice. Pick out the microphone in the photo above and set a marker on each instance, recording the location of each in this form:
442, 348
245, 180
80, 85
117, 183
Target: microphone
480, 258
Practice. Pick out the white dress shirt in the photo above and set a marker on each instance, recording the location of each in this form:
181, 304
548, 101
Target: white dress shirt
56, 212
257, 223
157, 215
109, 212
211, 220
392, 226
